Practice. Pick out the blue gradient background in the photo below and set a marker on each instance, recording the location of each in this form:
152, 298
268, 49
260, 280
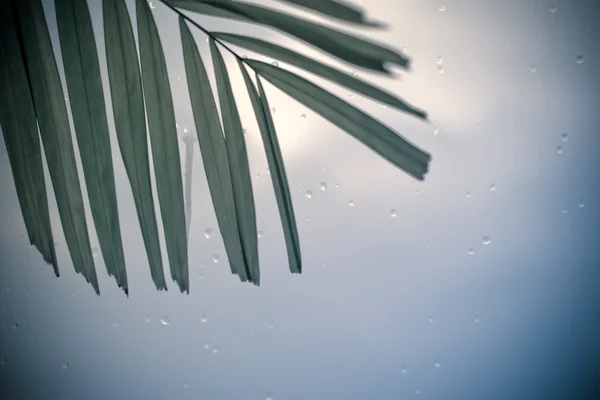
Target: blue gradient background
382, 299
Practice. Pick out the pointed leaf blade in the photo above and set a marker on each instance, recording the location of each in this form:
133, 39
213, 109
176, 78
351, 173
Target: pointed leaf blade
344, 46
214, 153
84, 84
337, 10
19, 127
128, 107
54, 127
363, 127
238, 164
165, 149
261, 109
315, 67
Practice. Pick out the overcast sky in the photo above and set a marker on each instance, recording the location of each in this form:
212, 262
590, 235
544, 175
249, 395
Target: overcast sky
411, 306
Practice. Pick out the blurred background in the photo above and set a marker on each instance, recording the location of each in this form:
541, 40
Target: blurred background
479, 283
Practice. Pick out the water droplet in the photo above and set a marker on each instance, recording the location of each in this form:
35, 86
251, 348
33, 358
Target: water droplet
404, 369
492, 187
418, 191
207, 39
215, 258
15, 326
565, 210
442, 7
273, 110
553, 8
206, 346
418, 391
437, 363
532, 69
476, 319
309, 194
245, 131
559, 149
486, 240
269, 396
257, 176
178, 78
471, 251
148, 320
430, 319
440, 69
581, 203
436, 130
259, 233
323, 186
350, 203
215, 350
4, 361
94, 252
186, 129
271, 325
115, 325
564, 137
185, 386
416, 209
165, 320
203, 318
65, 365
337, 185
208, 233
580, 59
439, 59
303, 116
354, 73
393, 213
200, 277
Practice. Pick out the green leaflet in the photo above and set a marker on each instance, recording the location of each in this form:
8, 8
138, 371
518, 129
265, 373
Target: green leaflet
344, 46
51, 112
363, 127
214, 152
165, 149
130, 121
89, 118
334, 9
277, 169
17, 117
238, 165
315, 67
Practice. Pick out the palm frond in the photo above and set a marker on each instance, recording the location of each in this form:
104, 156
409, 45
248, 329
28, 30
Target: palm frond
31, 91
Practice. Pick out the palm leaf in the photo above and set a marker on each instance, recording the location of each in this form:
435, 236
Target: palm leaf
214, 153
89, 117
339, 44
238, 164
261, 108
163, 137
51, 114
19, 127
130, 121
337, 10
363, 127
341, 78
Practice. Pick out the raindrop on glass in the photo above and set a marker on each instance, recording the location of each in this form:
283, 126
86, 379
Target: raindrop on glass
323, 186
404, 369
564, 137
440, 69
337, 185
437, 363
416, 209
215, 258
203, 318
269, 396
553, 8
271, 325
559, 149
532, 69
65, 365
476, 319
581, 203
442, 7
273, 110
309, 194
354, 73
580, 59
471, 251
94, 252
436, 130
215, 350
486, 240
4, 361
208, 233
148, 320
439, 59
165, 320
275, 64
430, 319
565, 210
207, 40
393, 213
245, 131
303, 116
492, 187
15, 326
418, 191
350, 203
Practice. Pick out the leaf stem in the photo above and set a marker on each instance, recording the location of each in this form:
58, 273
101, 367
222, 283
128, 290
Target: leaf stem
207, 32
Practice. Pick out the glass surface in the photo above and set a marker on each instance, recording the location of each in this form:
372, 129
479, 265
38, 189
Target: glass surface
479, 283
